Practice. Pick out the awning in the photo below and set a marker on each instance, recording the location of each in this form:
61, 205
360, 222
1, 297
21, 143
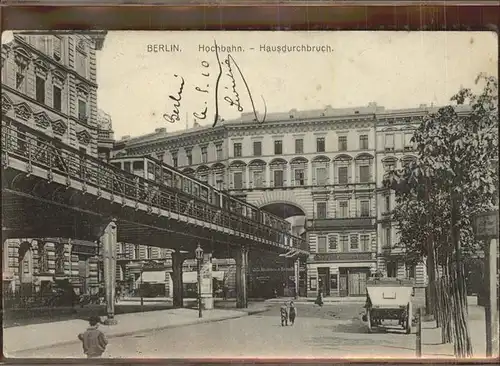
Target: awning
192, 277
153, 276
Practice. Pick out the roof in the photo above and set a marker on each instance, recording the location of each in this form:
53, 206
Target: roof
372, 109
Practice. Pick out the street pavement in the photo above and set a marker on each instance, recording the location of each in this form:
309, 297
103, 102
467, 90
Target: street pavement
331, 331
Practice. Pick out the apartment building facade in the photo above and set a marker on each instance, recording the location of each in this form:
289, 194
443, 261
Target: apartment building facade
49, 89
323, 170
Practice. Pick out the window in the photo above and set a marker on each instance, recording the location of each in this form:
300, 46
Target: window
321, 176
56, 48
219, 181
189, 157
81, 64
257, 148
278, 147
57, 98
137, 252
149, 252
343, 175
238, 180
344, 243
299, 146
342, 143
389, 142
363, 142
365, 242
364, 174
387, 203
237, 149
354, 242
218, 152
257, 179
40, 89
321, 244
321, 210
204, 155
407, 142
411, 269
343, 209
332, 242
175, 160
82, 110
41, 43
320, 144
388, 241
299, 177
19, 80
278, 178
365, 208
127, 166
392, 269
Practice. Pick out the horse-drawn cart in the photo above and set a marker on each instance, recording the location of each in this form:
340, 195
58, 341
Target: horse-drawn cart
388, 299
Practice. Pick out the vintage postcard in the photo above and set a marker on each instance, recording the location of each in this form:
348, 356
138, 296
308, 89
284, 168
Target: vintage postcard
249, 194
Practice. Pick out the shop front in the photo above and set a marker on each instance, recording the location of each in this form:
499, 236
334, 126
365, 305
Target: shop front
340, 278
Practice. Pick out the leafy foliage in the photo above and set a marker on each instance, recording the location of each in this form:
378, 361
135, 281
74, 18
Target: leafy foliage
454, 178
457, 149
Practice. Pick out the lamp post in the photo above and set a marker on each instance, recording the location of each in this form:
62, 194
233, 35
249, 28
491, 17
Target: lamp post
140, 287
199, 259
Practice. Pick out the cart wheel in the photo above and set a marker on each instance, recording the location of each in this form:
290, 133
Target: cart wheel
409, 316
369, 320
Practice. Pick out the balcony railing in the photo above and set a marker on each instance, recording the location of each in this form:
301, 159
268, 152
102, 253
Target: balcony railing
346, 256
30, 146
355, 222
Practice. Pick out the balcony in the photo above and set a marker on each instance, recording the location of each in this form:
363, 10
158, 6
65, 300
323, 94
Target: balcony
387, 216
388, 250
337, 223
348, 256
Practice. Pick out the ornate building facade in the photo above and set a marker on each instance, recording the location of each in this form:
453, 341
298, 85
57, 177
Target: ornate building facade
323, 170
49, 86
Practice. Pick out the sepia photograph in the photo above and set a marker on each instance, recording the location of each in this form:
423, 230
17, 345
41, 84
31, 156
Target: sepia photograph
250, 194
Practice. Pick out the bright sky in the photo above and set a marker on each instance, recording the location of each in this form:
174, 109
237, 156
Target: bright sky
393, 69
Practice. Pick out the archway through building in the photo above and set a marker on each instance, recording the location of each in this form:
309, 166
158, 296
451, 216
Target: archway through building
272, 275
290, 212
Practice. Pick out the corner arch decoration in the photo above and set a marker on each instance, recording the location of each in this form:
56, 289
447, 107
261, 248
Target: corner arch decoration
42, 120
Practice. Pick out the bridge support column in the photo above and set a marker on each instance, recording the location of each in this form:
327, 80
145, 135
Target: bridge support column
108, 240
178, 296
207, 297
241, 257
296, 269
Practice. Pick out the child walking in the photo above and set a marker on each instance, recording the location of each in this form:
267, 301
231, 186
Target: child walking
284, 314
93, 340
292, 313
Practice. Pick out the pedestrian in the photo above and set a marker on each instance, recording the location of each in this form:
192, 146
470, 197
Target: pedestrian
93, 340
292, 313
284, 314
319, 299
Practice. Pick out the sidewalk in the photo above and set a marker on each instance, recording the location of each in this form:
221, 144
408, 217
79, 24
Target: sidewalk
38, 336
326, 300
431, 336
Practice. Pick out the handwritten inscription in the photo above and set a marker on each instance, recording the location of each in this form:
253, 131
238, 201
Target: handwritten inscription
205, 88
174, 116
236, 95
